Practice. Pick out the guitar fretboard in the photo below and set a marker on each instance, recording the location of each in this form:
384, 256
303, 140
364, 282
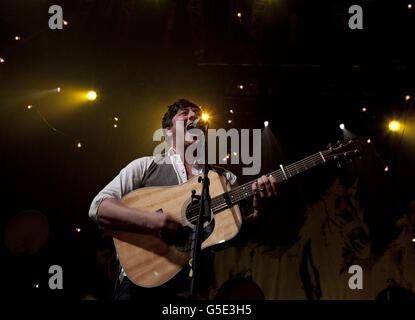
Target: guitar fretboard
230, 198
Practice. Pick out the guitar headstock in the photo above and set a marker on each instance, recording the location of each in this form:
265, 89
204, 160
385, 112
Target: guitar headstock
343, 150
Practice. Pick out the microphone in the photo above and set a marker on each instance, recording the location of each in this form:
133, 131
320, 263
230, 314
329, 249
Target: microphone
196, 123
199, 124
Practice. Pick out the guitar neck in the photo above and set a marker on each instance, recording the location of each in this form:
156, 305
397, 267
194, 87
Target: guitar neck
236, 195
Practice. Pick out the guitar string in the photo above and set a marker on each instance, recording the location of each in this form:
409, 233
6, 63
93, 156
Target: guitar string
240, 193
244, 193
222, 204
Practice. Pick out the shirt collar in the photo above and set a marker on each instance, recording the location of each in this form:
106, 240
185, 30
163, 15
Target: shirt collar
172, 152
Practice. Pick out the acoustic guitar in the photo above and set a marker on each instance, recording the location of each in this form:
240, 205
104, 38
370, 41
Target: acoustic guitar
149, 262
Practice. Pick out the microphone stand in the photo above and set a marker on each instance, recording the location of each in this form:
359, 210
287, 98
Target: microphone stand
204, 215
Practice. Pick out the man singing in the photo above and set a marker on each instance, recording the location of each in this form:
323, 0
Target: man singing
109, 213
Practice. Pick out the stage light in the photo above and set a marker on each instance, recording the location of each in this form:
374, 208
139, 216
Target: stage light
205, 116
364, 109
368, 141
231, 111
239, 15
78, 229
29, 106
409, 6
407, 97
341, 126
227, 157
386, 169
65, 22
394, 125
241, 87
266, 123
115, 125
115, 118
92, 95
17, 38
413, 239
229, 121
1, 60
79, 145
36, 286
234, 153
58, 89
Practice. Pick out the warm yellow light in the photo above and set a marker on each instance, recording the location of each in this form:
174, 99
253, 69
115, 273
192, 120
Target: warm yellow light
29, 106
16, 38
407, 97
231, 111
239, 15
115, 125
205, 117
409, 6
386, 168
65, 22
229, 121
364, 109
78, 229
241, 86
36, 286
413, 239
92, 95
228, 156
115, 118
394, 125
2, 60
79, 145
234, 153
368, 141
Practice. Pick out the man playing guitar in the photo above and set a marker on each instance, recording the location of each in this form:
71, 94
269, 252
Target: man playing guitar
110, 213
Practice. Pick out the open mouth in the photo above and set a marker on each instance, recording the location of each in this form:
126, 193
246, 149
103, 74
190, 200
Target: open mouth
193, 135
190, 126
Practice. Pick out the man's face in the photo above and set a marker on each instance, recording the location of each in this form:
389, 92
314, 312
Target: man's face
182, 123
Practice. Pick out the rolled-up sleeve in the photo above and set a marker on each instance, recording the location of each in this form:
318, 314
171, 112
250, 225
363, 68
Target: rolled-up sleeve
129, 179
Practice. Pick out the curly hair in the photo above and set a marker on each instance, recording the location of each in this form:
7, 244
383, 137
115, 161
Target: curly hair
173, 109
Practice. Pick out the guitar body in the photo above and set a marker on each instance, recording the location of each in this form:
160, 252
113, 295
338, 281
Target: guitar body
147, 260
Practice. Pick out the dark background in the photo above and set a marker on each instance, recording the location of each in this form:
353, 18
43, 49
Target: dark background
302, 69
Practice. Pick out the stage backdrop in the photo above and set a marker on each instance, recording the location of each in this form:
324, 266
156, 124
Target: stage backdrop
334, 236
